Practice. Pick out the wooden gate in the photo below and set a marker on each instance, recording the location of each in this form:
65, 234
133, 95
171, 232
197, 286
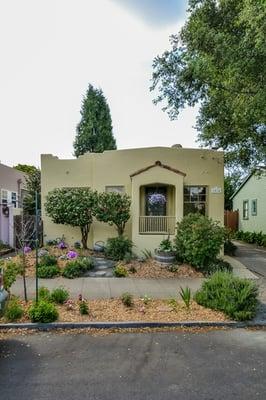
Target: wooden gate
231, 220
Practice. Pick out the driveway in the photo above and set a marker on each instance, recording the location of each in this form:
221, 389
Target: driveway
137, 366
252, 257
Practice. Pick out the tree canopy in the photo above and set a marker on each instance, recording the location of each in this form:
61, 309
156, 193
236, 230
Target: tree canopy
72, 206
28, 169
94, 132
114, 209
33, 186
219, 61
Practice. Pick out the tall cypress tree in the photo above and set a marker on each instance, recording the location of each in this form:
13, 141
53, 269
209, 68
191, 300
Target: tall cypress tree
94, 132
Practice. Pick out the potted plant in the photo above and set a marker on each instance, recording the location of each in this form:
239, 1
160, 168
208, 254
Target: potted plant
165, 252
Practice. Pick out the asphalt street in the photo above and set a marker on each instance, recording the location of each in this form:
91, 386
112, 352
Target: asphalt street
225, 364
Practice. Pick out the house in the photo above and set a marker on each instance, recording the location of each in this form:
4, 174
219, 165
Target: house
187, 180
12, 189
250, 200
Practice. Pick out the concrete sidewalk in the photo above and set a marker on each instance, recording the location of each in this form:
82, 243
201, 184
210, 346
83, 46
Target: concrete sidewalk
104, 288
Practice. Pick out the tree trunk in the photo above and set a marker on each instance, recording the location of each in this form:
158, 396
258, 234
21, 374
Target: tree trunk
84, 235
120, 229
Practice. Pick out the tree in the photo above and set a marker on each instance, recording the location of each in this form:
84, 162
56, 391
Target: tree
231, 183
72, 206
28, 169
218, 60
114, 209
33, 185
94, 131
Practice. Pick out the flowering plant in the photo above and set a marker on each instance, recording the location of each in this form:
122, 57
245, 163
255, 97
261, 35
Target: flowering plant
26, 249
72, 254
156, 199
62, 245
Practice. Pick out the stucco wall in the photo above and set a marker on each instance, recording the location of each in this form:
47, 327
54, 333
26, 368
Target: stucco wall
113, 168
9, 178
254, 189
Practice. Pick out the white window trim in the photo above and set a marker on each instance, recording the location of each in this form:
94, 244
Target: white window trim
243, 214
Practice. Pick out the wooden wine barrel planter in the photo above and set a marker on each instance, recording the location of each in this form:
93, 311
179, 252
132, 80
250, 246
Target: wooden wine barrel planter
165, 257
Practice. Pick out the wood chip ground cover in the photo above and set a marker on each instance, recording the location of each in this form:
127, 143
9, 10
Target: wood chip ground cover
113, 310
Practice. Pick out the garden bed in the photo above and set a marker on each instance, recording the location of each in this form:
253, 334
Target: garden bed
135, 268
113, 310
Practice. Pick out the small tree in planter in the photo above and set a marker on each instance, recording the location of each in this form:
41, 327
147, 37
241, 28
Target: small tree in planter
74, 207
114, 209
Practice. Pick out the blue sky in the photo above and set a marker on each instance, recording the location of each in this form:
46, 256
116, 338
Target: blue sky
52, 49
157, 12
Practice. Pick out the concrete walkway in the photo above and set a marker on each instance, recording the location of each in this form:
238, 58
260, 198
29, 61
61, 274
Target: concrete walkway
104, 288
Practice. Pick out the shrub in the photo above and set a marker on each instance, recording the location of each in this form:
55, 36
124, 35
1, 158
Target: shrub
166, 246
59, 295
229, 248
78, 267
13, 310
127, 299
77, 245
185, 295
147, 254
83, 308
116, 248
120, 271
236, 297
258, 238
51, 242
127, 258
43, 312
48, 271
217, 265
47, 260
11, 270
44, 293
198, 240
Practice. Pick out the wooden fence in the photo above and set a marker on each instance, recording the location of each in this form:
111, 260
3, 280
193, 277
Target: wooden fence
231, 220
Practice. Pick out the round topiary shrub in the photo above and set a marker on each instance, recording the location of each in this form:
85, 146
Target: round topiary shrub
236, 297
43, 312
198, 240
118, 248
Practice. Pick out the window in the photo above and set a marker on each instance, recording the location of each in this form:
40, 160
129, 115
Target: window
254, 207
115, 189
4, 197
245, 209
14, 199
195, 199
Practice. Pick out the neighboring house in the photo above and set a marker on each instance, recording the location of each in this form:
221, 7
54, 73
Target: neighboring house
12, 189
250, 201
189, 180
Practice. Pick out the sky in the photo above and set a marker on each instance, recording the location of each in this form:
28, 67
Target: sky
52, 49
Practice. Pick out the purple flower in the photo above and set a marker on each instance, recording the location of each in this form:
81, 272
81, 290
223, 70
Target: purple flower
26, 250
62, 245
72, 254
156, 199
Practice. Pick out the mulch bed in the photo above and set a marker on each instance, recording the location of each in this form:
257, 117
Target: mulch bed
152, 269
114, 310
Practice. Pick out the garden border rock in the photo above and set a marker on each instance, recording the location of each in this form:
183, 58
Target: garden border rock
133, 324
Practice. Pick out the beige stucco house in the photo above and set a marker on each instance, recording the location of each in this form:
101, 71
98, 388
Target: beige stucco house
186, 179
250, 200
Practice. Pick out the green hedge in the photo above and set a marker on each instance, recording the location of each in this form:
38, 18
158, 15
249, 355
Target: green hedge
257, 238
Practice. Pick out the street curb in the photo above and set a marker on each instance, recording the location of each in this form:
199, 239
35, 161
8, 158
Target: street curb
132, 324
